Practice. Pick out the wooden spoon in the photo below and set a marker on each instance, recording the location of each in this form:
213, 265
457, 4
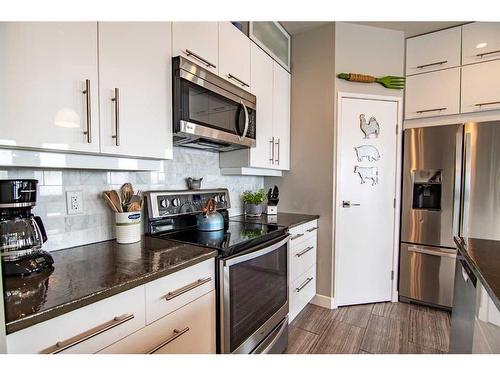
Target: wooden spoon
108, 200
127, 190
115, 198
134, 206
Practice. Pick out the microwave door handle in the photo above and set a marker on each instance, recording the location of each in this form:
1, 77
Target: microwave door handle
246, 121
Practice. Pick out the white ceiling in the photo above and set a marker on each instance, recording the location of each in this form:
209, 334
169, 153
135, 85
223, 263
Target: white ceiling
410, 28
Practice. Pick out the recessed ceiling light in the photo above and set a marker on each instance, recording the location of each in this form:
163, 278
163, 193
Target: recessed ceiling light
481, 45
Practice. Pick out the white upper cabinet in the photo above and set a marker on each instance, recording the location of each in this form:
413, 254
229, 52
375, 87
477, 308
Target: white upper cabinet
234, 55
433, 94
47, 68
261, 156
198, 41
480, 87
433, 51
281, 117
135, 83
480, 42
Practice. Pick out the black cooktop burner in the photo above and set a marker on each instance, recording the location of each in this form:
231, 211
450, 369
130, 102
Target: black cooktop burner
237, 237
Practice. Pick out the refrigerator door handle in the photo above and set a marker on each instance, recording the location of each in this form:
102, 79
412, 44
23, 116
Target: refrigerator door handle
438, 253
457, 182
466, 183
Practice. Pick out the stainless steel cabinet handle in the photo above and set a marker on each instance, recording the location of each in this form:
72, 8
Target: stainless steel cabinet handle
417, 249
432, 110
271, 141
347, 204
312, 229
88, 131
487, 103
277, 160
116, 100
242, 83
176, 335
198, 57
65, 344
187, 288
432, 64
303, 285
297, 236
488, 53
309, 248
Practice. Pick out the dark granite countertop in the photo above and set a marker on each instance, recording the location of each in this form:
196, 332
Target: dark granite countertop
86, 274
285, 219
483, 257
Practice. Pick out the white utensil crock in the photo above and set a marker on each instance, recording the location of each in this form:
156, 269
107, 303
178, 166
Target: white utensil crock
128, 227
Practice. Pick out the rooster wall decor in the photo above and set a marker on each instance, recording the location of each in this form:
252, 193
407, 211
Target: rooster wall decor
372, 127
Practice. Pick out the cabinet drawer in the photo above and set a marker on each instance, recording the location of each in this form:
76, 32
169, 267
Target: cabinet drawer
173, 291
190, 329
302, 232
302, 291
433, 51
480, 87
302, 257
433, 94
480, 42
86, 330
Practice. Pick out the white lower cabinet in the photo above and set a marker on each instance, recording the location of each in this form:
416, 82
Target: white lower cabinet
302, 262
433, 94
188, 330
480, 87
86, 330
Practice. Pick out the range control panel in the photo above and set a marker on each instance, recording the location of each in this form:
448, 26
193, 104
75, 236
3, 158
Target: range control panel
178, 202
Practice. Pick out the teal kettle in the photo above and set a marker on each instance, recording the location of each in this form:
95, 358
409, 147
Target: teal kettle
210, 220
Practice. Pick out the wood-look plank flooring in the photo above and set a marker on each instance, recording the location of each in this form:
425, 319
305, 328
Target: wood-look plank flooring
381, 328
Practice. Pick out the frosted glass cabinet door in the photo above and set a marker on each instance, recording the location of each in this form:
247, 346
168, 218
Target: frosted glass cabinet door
274, 39
44, 68
262, 88
135, 58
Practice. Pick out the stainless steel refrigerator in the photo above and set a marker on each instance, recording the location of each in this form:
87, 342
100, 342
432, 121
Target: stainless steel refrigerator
451, 186
2, 316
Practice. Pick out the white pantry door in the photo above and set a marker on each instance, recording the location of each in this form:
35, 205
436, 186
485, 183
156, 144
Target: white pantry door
366, 189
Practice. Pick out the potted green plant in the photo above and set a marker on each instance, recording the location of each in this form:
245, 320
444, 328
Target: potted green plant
253, 202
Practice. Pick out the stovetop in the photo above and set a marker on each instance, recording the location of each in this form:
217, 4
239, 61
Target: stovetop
236, 237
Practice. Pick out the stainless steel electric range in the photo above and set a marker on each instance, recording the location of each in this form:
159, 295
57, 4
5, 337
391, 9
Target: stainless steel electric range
251, 268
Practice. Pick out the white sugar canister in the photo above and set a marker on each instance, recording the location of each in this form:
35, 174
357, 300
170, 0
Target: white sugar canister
128, 226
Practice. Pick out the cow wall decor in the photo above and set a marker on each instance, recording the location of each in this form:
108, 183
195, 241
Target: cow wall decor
367, 152
367, 173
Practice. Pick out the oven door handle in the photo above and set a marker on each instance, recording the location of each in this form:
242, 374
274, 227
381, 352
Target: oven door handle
242, 137
255, 254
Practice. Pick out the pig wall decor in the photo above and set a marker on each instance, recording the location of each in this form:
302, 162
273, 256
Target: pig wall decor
367, 152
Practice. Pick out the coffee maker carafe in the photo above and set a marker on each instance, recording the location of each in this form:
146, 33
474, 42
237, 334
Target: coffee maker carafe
21, 233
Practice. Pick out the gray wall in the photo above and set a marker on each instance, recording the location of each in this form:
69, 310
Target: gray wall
317, 56
96, 224
308, 187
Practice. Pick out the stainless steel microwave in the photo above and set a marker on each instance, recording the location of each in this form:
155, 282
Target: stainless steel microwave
209, 112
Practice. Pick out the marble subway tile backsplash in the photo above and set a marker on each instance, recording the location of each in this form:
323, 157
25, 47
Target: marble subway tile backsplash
96, 223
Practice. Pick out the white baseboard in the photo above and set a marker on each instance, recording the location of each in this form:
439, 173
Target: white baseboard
395, 296
323, 301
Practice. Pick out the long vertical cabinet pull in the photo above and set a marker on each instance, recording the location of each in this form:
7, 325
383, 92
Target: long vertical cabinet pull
116, 100
271, 142
88, 110
277, 160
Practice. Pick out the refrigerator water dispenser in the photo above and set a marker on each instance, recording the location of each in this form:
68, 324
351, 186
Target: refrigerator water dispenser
427, 190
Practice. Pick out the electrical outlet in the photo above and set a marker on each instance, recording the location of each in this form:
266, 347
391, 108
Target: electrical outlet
74, 202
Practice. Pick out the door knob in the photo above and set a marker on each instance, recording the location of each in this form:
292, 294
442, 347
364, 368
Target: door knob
347, 204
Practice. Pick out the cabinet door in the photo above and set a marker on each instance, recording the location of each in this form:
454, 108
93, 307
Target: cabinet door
43, 98
433, 51
135, 62
234, 55
198, 41
480, 87
281, 117
480, 42
262, 88
433, 94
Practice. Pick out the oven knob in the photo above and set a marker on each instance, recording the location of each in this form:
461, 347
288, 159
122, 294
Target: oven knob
222, 198
176, 202
164, 203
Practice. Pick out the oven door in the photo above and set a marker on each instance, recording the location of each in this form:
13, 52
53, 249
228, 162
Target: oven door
208, 108
254, 296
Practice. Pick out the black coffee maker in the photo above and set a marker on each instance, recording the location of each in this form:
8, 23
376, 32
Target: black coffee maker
21, 233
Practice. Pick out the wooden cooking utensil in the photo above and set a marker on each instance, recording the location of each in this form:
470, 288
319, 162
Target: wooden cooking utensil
134, 206
115, 198
108, 200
